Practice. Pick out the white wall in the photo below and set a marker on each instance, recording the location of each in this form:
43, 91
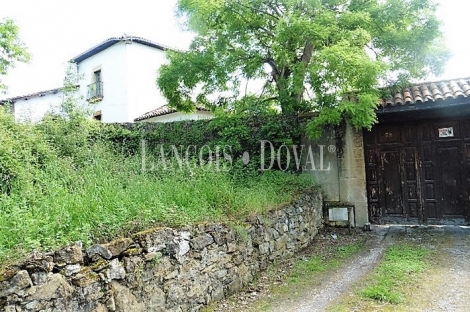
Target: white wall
128, 73
143, 63
36, 107
177, 116
112, 62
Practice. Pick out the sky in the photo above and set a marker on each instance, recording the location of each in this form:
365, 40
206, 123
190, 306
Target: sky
55, 31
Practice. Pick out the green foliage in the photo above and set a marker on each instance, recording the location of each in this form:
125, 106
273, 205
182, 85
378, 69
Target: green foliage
345, 252
22, 155
11, 48
238, 133
306, 270
318, 264
317, 52
69, 178
61, 185
400, 263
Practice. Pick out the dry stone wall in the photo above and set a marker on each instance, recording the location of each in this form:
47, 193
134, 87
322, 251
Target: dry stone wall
161, 269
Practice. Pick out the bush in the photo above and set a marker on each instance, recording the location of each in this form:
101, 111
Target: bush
23, 153
70, 178
241, 133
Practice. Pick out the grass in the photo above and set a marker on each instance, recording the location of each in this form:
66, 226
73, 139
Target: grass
308, 272
396, 284
57, 186
400, 264
304, 269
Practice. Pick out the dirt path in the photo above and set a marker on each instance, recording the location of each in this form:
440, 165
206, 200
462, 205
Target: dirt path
444, 287
319, 298
317, 292
447, 285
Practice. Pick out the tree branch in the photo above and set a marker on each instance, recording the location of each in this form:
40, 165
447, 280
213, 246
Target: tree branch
269, 99
260, 11
372, 49
247, 23
275, 8
273, 65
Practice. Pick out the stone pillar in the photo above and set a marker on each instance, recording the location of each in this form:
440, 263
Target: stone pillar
352, 174
344, 184
324, 149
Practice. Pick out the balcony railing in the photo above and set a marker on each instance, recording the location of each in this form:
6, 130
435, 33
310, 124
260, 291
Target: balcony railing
95, 92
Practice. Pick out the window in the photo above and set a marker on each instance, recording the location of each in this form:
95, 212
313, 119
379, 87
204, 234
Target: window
97, 115
97, 76
95, 89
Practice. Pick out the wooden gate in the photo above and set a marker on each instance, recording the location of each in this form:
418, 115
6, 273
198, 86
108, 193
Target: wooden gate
419, 172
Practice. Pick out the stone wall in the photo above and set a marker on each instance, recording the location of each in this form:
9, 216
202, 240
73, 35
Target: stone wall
161, 269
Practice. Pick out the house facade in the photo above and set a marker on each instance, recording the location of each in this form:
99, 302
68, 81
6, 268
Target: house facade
34, 106
117, 80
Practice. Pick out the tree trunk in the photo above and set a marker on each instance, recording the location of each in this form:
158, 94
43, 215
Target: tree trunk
305, 60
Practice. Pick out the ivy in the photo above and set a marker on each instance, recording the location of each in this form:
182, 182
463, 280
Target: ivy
239, 134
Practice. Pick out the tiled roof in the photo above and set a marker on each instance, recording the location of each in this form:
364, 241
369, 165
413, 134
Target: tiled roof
164, 110
111, 41
28, 96
429, 92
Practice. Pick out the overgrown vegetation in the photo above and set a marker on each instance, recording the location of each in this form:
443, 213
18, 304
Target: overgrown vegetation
64, 180
400, 265
236, 134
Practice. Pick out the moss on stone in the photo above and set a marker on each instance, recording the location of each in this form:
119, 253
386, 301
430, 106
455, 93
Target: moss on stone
7, 273
141, 234
133, 251
98, 265
86, 278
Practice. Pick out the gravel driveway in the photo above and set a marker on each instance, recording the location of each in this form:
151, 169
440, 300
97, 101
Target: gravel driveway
444, 287
319, 298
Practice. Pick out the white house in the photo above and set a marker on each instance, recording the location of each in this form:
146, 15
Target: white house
34, 106
118, 81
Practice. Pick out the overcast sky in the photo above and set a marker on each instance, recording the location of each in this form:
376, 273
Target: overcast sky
57, 30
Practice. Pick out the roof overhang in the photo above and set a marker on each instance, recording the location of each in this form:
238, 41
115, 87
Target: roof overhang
427, 100
165, 110
428, 110
32, 95
112, 41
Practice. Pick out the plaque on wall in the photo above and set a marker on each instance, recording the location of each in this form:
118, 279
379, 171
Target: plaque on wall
446, 132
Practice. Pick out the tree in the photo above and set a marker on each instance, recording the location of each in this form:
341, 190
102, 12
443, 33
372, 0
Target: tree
317, 51
11, 48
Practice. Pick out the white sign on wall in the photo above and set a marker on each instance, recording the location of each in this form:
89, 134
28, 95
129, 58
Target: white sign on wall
446, 132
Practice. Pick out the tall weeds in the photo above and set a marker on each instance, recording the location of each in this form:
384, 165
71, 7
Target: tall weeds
61, 181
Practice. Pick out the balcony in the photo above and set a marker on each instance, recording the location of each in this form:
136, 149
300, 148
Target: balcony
95, 92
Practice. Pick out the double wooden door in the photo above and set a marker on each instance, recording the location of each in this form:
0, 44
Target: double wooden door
419, 172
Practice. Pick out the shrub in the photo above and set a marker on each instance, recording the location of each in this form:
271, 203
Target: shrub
69, 178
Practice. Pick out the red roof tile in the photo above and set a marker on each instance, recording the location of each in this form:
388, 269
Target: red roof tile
429, 92
163, 110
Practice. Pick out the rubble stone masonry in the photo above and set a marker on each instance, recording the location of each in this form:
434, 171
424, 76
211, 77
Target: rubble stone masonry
162, 269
